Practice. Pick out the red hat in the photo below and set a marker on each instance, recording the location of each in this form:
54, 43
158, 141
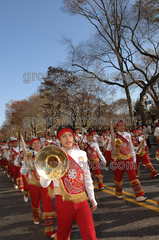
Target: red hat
139, 126
63, 130
35, 139
135, 130
90, 134
46, 135
120, 123
28, 142
14, 141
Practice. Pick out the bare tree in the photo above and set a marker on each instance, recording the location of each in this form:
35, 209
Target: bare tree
106, 48
122, 29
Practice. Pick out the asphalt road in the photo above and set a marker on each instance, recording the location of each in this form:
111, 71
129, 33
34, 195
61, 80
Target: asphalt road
119, 219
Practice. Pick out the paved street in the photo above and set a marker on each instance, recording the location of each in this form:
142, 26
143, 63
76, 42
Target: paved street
114, 219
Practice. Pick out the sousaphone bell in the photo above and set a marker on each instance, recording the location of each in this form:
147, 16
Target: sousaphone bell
51, 162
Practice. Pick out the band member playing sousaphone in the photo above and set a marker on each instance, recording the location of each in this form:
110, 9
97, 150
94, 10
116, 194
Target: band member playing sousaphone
124, 159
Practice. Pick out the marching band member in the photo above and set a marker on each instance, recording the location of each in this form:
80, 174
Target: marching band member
3, 147
78, 137
8, 158
47, 141
104, 142
37, 192
136, 140
96, 137
55, 141
93, 155
70, 197
26, 191
142, 134
127, 158
16, 151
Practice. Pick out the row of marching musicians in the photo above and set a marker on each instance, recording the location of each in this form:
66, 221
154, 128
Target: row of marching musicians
69, 190
123, 151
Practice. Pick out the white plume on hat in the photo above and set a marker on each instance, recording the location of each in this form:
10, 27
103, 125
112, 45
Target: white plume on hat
13, 139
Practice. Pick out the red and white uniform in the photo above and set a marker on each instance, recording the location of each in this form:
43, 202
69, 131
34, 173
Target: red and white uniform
78, 138
36, 193
126, 162
104, 142
144, 156
94, 154
18, 181
75, 145
96, 138
70, 197
48, 142
5, 161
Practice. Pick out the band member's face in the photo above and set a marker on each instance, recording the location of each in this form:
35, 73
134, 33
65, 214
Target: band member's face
121, 128
9, 144
28, 145
36, 145
15, 144
136, 134
77, 131
67, 140
90, 139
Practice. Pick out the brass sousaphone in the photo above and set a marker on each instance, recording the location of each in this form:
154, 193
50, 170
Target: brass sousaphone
51, 162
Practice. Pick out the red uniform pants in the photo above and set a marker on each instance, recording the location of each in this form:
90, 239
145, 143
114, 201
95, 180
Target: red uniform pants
36, 193
66, 213
146, 161
119, 168
95, 166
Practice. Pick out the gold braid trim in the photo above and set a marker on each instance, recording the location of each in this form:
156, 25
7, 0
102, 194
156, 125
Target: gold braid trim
141, 191
53, 192
118, 193
148, 164
142, 154
118, 183
94, 160
124, 157
55, 237
49, 214
80, 197
48, 229
99, 176
134, 181
32, 180
26, 193
50, 192
35, 209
